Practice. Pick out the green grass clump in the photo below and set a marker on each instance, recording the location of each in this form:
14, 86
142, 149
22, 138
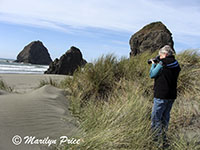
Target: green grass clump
5, 87
98, 81
189, 76
121, 123
48, 81
113, 100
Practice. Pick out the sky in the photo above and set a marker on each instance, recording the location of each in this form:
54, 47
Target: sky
96, 27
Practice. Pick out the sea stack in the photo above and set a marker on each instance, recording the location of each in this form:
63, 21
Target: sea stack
150, 38
67, 63
34, 53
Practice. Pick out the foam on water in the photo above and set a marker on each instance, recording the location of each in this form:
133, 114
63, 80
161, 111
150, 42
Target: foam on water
9, 66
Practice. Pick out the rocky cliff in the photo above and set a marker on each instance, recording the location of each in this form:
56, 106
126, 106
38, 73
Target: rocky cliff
67, 63
34, 53
150, 38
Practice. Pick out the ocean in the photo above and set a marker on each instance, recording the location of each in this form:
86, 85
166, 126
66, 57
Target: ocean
9, 66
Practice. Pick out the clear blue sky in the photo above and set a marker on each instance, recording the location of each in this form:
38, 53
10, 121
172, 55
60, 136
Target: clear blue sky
96, 27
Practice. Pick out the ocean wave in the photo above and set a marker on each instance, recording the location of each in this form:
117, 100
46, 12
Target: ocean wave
9, 66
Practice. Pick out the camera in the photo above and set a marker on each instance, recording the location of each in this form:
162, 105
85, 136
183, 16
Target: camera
155, 60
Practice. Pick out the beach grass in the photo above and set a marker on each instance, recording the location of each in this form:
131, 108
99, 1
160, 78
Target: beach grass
48, 81
5, 87
112, 100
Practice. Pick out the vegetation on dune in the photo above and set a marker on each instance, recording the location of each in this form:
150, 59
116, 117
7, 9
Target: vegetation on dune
5, 87
98, 81
112, 100
189, 77
48, 81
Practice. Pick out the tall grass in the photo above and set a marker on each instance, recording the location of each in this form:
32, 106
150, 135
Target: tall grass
115, 124
4, 86
99, 80
189, 77
113, 99
48, 81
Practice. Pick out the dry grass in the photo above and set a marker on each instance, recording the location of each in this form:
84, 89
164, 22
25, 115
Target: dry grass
113, 99
4, 86
49, 81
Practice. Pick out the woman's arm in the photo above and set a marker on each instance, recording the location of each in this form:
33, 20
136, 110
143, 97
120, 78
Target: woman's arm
155, 69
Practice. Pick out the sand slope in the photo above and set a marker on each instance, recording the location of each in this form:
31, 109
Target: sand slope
41, 113
22, 83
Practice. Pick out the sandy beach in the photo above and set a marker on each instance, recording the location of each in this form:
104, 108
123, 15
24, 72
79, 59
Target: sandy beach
23, 83
37, 112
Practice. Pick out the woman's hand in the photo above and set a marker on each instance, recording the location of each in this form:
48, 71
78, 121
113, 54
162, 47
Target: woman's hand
152, 61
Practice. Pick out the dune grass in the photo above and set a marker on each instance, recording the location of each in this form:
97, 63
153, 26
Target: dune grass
48, 81
5, 87
112, 100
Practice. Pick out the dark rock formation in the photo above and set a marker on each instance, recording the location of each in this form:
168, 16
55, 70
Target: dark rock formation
151, 38
67, 63
34, 53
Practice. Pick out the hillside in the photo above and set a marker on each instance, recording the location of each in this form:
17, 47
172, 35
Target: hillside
113, 99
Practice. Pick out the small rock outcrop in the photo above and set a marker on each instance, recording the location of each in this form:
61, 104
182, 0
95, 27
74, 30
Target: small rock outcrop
34, 53
67, 63
150, 38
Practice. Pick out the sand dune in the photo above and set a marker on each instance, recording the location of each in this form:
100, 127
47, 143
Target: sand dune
22, 83
41, 113
3, 92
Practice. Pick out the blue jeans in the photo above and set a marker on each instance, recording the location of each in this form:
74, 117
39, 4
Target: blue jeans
160, 117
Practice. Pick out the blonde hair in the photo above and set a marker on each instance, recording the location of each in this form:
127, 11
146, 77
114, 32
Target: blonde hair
166, 50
